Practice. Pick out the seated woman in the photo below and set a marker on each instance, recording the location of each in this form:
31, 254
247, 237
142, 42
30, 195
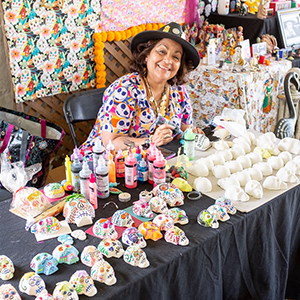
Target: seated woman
161, 61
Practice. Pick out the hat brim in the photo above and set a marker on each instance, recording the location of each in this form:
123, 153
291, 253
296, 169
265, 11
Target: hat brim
145, 36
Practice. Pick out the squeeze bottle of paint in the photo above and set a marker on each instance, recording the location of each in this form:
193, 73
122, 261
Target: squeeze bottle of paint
111, 168
130, 171
120, 164
110, 148
98, 150
189, 144
76, 152
159, 169
142, 170
76, 167
68, 169
93, 191
102, 180
84, 177
151, 159
138, 154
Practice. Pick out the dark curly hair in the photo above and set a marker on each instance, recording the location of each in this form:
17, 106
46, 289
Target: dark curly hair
138, 63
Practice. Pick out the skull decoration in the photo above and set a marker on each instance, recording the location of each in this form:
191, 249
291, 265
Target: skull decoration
227, 204
64, 290
142, 208
90, 255
206, 219
44, 263
178, 215
6, 268
44, 295
287, 175
274, 183
132, 236
158, 205
104, 228
65, 253
83, 283
7, 291
135, 256
218, 212
32, 284
170, 193
176, 236
163, 222
122, 218
236, 193
78, 210
111, 248
47, 225
103, 272
254, 188
150, 231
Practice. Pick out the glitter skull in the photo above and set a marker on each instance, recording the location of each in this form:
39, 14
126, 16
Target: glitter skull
163, 222
132, 236
64, 290
90, 255
47, 225
122, 218
218, 212
158, 205
170, 193
103, 272
178, 215
65, 253
104, 228
150, 231
227, 204
176, 236
32, 284
44, 263
6, 268
111, 248
83, 283
7, 291
135, 256
206, 219
142, 208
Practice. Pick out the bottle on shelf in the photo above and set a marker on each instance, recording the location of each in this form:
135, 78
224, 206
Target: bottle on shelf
98, 150
93, 191
120, 164
102, 180
142, 171
111, 168
76, 167
130, 171
159, 169
189, 143
84, 178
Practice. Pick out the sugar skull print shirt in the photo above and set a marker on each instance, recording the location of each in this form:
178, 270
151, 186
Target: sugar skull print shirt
125, 110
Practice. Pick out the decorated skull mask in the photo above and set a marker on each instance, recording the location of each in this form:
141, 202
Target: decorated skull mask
44, 295
163, 222
132, 236
47, 225
176, 236
83, 283
150, 231
6, 268
7, 291
227, 204
122, 218
218, 212
142, 208
90, 255
103, 272
158, 205
65, 253
64, 290
135, 256
104, 228
44, 263
206, 219
170, 193
178, 215
111, 248
32, 284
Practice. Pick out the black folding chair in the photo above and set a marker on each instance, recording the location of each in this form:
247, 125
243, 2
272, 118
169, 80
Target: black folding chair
82, 106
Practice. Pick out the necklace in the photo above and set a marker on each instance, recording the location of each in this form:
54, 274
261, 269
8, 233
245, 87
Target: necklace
162, 106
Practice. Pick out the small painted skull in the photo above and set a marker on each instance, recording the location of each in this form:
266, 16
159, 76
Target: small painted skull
176, 236
90, 255
44, 295
104, 228
142, 208
65, 253
227, 204
103, 272
218, 212
206, 219
122, 218
163, 222
84, 284
6, 268
178, 215
135, 256
7, 291
170, 193
47, 225
111, 248
150, 231
64, 290
132, 236
32, 284
158, 205
44, 263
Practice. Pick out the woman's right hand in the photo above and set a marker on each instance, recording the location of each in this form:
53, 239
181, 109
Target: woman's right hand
163, 134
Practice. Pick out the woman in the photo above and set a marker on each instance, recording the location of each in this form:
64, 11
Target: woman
131, 105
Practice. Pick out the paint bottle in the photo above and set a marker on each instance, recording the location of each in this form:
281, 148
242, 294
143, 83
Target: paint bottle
110, 148
102, 179
159, 169
151, 159
111, 168
76, 167
138, 154
130, 171
142, 171
84, 178
68, 169
120, 164
189, 144
93, 191
77, 152
98, 150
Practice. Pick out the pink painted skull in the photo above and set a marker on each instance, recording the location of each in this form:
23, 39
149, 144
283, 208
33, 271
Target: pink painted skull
104, 228
47, 225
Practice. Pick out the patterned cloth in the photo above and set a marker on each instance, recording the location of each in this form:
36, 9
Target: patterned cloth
125, 110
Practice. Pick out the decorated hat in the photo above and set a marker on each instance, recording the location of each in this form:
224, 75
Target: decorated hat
171, 31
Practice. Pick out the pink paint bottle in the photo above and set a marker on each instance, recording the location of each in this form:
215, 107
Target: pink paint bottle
130, 171
120, 164
159, 169
151, 155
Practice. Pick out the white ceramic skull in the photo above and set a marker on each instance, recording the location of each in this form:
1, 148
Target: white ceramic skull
6, 268
236, 193
254, 188
64, 290
206, 219
206, 161
294, 166
265, 168
176, 236
255, 157
47, 225
245, 161
234, 166
223, 183
7, 291
203, 185
90, 255
227, 204
242, 177
111, 248
274, 183
132, 236
237, 151
135, 256
198, 169
31, 284
287, 175
218, 212
150, 231
163, 222
221, 171
226, 154
83, 283
276, 162
178, 215
65, 253
44, 263
104, 228
122, 218
289, 144
170, 193
142, 208
158, 205
285, 156
254, 173
103, 272
244, 145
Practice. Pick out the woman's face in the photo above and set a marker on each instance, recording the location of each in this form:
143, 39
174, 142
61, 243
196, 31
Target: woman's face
164, 60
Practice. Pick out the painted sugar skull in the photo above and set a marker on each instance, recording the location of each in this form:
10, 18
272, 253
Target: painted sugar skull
227, 204
78, 210
163, 222
7, 291
206, 219
176, 236
103, 272
64, 290
104, 228
44, 263
44, 295
135, 256
170, 193
65, 253
150, 231
142, 208
6, 268
32, 284
111, 248
122, 218
47, 225
158, 205
132, 236
218, 212
83, 283
90, 255
178, 215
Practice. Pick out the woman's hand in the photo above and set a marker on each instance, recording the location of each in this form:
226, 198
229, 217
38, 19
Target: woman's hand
163, 134
195, 129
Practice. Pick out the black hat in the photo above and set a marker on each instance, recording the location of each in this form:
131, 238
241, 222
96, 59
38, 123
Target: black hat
171, 31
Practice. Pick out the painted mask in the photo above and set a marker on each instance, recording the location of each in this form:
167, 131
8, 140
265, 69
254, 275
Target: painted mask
150, 231
163, 222
142, 208
7, 291
64, 290
32, 284
132, 236
170, 193
227, 204
206, 219
111, 248
254, 188
135, 256
103, 272
178, 215
44, 263
78, 210
104, 228
122, 218
218, 212
84, 284
90, 255
44, 295
47, 225
65, 253
176, 236
158, 205
6, 268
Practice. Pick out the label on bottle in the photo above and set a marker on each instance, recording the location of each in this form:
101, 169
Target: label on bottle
84, 187
189, 149
130, 174
150, 170
75, 181
102, 185
95, 160
159, 175
120, 167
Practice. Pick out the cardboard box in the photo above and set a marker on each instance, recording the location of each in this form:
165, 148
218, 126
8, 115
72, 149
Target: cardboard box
279, 5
